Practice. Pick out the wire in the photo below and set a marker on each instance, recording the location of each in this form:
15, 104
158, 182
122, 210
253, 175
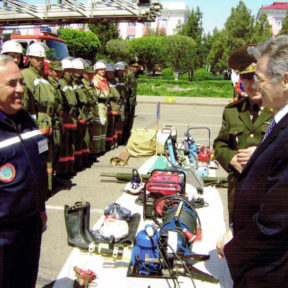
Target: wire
175, 281
184, 264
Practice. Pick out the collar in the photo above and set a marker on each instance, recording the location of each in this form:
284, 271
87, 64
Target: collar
281, 113
3, 116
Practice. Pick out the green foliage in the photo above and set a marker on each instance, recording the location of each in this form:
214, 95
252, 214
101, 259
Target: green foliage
193, 29
201, 74
208, 88
284, 29
262, 30
167, 73
148, 49
84, 44
180, 53
118, 50
104, 32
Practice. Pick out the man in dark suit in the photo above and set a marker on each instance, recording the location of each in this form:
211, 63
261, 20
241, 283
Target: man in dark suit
257, 249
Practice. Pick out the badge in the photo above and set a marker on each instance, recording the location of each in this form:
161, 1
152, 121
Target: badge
42, 146
7, 173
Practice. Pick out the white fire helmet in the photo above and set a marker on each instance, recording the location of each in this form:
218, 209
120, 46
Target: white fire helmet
99, 65
36, 49
12, 46
78, 63
67, 63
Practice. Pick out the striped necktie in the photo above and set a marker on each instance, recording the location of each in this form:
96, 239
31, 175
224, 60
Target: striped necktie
269, 129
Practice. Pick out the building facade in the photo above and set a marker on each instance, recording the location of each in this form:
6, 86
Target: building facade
276, 13
173, 13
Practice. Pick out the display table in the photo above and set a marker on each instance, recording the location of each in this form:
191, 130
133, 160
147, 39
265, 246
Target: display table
113, 274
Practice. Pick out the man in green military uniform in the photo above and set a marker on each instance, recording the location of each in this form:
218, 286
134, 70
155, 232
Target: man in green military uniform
44, 98
131, 85
243, 124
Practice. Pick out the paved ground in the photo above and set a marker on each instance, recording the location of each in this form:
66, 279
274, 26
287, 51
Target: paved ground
100, 191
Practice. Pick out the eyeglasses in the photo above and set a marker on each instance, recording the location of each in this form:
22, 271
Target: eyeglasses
247, 76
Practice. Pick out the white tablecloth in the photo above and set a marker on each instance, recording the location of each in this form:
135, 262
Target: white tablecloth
113, 274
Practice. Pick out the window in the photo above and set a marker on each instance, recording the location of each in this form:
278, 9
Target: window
131, 24
162, 23
278, 23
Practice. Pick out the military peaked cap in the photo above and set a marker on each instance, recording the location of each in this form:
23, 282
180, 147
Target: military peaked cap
242, 59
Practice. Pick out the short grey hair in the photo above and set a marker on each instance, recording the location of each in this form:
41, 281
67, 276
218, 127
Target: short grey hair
277, 50
4, 59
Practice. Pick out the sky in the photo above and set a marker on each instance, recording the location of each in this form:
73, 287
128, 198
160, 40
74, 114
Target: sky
215, 13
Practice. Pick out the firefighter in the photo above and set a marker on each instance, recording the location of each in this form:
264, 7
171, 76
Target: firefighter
131, 84
65, 166
55, 74
43, 93
15, 50
94, 124
114, 109
82, 134
119, 76
100, 83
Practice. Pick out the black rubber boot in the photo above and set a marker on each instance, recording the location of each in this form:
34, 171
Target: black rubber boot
86, 223
74, 221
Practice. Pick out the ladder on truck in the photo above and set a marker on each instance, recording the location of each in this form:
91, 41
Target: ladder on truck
14, 12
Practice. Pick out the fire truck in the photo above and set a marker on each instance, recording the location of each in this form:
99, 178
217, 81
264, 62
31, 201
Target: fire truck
56, 47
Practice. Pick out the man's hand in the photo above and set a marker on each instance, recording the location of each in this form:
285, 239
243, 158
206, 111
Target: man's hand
235, 164
44, 219
222, 241
243, 155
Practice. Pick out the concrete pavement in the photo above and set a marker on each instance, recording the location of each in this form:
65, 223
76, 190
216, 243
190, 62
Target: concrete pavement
87, 185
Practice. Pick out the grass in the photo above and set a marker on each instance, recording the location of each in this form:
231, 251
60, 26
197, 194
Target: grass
160, 87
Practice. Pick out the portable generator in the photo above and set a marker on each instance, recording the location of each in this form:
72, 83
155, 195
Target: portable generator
162, 183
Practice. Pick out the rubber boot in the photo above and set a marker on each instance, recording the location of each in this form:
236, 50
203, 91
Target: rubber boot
74, 221
86, 223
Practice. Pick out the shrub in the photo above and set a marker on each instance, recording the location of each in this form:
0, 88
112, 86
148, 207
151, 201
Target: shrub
201, 74
167, 73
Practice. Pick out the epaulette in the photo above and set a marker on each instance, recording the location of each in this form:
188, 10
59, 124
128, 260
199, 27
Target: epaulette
234, 104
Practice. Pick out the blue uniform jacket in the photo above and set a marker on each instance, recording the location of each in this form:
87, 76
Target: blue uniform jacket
258, 254
23, 176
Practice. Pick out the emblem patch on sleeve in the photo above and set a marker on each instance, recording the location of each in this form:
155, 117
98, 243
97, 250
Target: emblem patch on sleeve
7, 173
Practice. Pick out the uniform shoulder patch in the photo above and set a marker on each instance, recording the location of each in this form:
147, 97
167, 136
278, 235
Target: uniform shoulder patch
7, 173
234, 104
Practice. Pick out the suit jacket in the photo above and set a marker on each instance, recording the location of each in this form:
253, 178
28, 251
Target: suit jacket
238, 132
258, 253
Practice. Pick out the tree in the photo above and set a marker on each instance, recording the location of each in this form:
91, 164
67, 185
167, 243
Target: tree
220, 51
118, 50
148, 49
239, 26
193, 29
284, 29
84, 44
262, 30
180, 53
104, 32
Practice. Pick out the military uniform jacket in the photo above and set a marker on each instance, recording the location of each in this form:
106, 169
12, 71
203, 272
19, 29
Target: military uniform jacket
238, 131
23, 176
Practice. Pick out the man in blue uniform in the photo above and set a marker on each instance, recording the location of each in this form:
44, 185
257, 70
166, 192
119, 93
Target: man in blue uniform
23, 178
